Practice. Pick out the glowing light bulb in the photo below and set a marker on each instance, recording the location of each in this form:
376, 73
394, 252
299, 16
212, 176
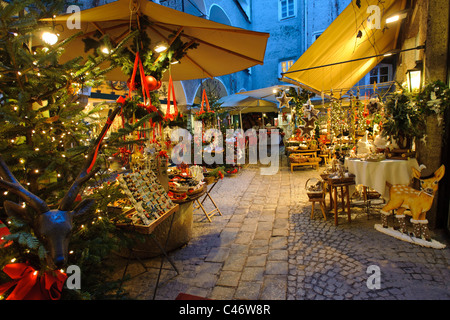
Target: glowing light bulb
161, 47
49, 38
393, 19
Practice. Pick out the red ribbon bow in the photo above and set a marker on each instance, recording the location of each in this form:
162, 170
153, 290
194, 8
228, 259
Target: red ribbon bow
124, 152
30, 285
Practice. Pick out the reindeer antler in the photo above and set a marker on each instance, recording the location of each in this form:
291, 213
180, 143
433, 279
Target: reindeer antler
87, 172
10, 183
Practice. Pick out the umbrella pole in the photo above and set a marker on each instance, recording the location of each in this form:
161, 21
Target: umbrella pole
240, 119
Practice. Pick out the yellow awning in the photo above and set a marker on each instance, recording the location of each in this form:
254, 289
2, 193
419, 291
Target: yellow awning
327, 60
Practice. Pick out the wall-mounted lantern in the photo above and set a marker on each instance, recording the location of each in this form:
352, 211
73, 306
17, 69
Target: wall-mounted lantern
414, 77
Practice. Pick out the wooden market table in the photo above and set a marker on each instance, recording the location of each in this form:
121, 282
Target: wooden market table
298, 150
343, 186
308, 153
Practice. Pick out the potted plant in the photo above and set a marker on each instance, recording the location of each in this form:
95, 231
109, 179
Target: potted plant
402, 121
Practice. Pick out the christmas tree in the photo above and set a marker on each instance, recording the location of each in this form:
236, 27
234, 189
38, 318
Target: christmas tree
339, 120
47, 135
44, 139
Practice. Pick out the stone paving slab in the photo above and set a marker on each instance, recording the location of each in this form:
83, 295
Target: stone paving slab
265, 246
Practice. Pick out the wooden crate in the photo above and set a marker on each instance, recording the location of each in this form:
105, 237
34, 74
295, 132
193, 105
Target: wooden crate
148, 229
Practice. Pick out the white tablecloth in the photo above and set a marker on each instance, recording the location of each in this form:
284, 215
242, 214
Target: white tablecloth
375, 174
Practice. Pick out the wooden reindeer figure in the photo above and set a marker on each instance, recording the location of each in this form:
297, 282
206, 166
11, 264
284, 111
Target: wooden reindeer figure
418, 202
53, 227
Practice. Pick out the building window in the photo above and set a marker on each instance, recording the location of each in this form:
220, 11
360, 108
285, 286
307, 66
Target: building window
315, 36
381, 73
287, 9
285, 65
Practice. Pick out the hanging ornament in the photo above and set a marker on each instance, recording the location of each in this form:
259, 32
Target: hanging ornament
284, 101
147, 103
309, 111
158, 84
151, 83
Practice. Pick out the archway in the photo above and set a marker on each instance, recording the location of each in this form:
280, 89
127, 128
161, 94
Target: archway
214, 88
217, 14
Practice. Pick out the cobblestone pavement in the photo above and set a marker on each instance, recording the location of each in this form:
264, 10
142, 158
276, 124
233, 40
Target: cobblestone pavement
265, 246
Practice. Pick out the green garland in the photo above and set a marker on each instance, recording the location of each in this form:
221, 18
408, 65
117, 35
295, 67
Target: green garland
434, 99
207, 115
406, 113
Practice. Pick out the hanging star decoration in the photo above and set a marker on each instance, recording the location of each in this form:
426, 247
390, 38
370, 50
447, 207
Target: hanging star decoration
309, 111
309, 118
284, 101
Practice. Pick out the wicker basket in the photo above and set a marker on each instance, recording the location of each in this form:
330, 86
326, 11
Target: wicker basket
314, 188
298, 159
209, 179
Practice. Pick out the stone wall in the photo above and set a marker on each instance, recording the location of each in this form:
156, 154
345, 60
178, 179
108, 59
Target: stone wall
428, 23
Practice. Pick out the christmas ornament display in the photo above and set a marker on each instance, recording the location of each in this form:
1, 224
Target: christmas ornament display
147, 196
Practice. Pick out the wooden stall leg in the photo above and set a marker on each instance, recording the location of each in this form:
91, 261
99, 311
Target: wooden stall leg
335, 200
322, 207
347, 191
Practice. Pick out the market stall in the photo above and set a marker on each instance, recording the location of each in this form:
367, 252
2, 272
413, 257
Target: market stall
122, 146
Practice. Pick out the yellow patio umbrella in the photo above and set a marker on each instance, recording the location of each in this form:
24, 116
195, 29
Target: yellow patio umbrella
221, 50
